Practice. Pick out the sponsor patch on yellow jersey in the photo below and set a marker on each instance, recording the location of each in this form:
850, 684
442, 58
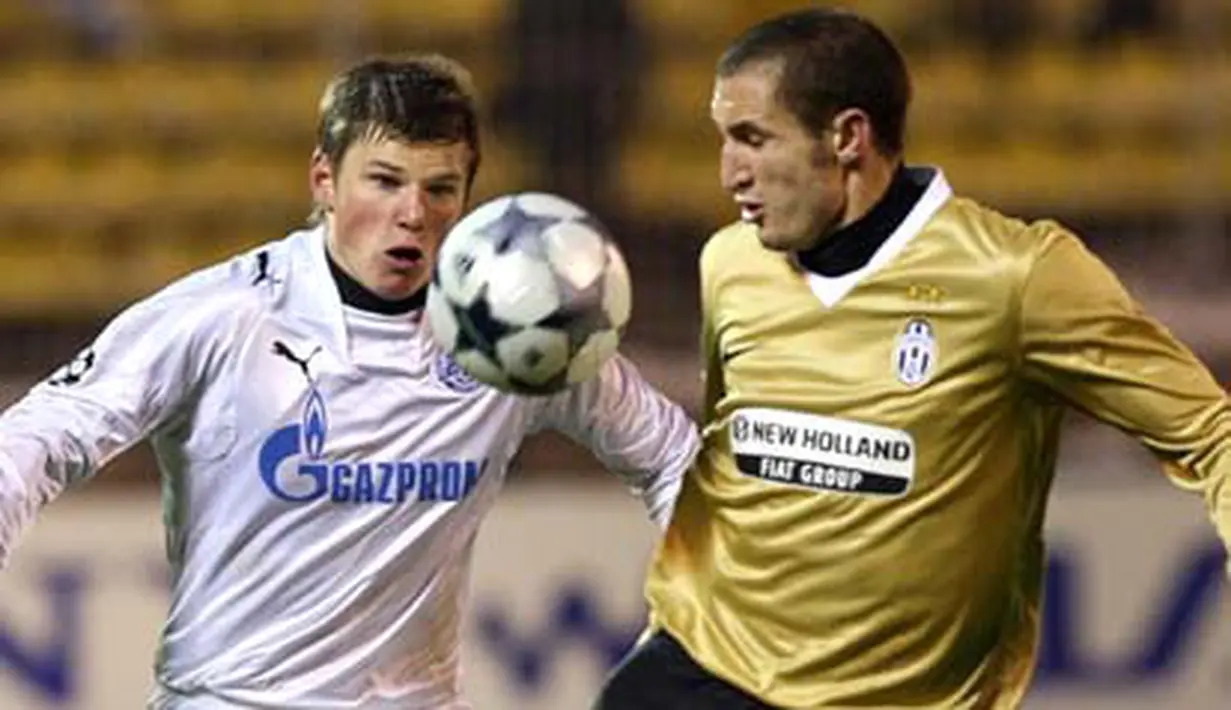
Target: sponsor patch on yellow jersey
821, 452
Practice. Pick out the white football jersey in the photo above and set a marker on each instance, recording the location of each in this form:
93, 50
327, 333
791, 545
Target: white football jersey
325, 471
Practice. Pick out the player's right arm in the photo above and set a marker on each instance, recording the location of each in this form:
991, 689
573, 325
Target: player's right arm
142, 367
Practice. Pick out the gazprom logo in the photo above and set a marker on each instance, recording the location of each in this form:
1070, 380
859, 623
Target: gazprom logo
294, 468
315, 425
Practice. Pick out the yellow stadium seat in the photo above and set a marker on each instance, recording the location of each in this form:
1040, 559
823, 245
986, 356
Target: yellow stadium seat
1041, 89
41, 283
1139, 87
951, 91
176, 253
661, 177
227, 97
54, 100
703, 23
41, 184
16, 15
506, 167
78, 196
1115, 95
897, 18
676, 96
238, 180
470, 31
894, 16
238, 16
68, 271
472, 18
1022, 176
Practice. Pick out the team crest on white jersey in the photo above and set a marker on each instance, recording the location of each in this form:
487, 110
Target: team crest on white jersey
451, 375
915, 354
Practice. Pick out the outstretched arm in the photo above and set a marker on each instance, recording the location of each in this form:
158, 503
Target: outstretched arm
142, 367
640, 435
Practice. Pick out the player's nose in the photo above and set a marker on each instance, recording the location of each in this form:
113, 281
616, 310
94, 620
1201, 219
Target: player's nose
413, 208
735, 173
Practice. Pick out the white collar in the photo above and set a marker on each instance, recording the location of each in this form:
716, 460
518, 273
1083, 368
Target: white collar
830, 290
311, 293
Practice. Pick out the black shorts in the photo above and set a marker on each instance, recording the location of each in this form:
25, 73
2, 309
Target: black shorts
660, 675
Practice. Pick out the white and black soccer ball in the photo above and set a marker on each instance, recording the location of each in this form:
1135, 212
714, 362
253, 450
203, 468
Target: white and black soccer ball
529, 294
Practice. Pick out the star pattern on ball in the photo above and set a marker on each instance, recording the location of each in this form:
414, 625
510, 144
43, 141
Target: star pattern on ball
583, 316
478, 329
515, 228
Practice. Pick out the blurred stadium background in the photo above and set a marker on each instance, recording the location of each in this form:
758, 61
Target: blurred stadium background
143, 138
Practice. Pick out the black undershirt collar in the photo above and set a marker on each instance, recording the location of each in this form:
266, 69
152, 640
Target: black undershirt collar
852, 247
356, 296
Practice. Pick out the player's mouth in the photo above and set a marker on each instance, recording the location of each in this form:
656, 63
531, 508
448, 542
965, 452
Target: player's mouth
405, 257
751, 212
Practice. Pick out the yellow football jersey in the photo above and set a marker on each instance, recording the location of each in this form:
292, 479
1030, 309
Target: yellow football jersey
863, 525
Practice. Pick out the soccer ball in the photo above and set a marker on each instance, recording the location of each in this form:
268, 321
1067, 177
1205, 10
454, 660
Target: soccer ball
529, 294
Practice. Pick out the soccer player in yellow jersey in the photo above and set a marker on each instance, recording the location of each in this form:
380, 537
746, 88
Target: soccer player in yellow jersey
886, 364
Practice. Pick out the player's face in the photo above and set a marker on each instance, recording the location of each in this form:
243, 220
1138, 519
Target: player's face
390, 204
784, 178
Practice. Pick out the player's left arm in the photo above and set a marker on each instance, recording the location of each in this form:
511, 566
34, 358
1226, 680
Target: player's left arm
634, 430
1084, 337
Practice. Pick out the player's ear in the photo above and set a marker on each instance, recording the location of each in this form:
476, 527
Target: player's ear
321, 180
852, 136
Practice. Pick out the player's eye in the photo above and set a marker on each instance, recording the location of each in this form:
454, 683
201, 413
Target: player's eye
749, 136
386, 182
446, 189
754, 139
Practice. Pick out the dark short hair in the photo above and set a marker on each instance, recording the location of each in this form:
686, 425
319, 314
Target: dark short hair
420, 98
832, 60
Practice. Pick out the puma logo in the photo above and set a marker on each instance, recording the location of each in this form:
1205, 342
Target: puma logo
281, 349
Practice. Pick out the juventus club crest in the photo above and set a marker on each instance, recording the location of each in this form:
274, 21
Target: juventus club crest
914, 358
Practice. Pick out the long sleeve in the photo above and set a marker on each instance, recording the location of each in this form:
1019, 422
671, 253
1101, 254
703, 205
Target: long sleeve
633, 429
111, 396
711, 374
1084, 338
